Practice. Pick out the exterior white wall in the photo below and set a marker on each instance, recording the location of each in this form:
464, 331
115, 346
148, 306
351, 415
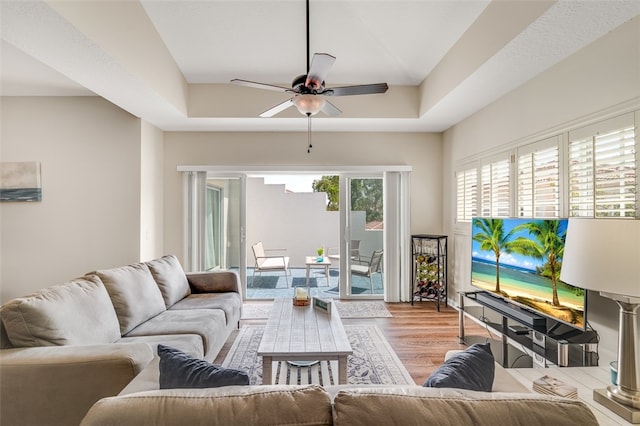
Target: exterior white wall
603, 75
298, 222
89, 216
421, 151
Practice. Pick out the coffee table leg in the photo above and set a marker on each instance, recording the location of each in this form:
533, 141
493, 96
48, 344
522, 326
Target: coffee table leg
342, 370
267, 365
326, 273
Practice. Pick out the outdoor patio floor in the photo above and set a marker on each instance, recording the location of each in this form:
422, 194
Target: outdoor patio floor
269, 285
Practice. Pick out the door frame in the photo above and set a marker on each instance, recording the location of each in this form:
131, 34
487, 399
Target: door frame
394, 270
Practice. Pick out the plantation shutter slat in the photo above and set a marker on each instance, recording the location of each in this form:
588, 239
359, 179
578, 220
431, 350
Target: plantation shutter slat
466, 188
602, 169
539, 181
495, 192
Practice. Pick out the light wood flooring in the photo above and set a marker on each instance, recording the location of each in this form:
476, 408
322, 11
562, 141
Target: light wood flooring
419, 334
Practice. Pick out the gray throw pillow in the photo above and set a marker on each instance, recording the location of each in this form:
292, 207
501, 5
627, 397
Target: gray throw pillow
179, 370
472, 369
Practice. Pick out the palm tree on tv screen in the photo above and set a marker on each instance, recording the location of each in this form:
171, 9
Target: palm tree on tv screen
549, 246
492, 238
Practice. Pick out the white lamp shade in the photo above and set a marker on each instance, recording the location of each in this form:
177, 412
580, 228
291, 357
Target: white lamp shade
603, 255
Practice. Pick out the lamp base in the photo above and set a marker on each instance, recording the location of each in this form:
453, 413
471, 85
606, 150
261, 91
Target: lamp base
630, 414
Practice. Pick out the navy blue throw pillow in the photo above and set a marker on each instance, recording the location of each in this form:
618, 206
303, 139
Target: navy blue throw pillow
472, 369
179, 370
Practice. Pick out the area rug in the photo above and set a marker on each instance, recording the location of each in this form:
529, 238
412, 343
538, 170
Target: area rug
362, 309
373, 360
252, 311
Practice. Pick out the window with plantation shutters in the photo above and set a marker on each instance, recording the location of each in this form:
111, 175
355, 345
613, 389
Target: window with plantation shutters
538, 180
495, 193
466, 194
603, 169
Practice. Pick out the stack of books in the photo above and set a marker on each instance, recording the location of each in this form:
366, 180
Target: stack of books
552, 386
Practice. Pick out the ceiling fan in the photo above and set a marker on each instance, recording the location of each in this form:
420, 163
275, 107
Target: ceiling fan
309, 89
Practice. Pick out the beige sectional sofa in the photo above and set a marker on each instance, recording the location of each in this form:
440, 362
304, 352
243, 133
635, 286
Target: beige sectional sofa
69, 345
84, 353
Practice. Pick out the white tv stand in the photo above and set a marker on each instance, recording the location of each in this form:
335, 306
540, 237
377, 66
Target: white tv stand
518, 333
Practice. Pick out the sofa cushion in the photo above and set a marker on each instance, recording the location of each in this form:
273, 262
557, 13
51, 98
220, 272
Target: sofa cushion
473, 369
179, 370
188, 343
229, 303
267, 405
76, 312
171, 279
415, 405
209, 324
134, 293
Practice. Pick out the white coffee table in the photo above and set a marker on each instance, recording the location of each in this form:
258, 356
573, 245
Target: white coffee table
313, 261
302, 333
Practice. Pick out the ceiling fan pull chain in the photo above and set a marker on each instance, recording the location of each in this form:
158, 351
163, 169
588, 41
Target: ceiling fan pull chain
309, 146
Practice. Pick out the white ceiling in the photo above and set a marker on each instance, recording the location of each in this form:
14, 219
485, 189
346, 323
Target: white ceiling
170, 62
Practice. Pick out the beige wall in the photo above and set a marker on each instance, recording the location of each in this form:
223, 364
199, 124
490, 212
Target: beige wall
421, 151
89, 216
151, 192
604, 76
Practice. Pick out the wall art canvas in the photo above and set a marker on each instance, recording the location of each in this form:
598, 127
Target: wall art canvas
20, 181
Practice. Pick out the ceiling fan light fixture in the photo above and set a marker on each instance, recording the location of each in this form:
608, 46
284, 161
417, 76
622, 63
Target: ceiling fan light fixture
309, 104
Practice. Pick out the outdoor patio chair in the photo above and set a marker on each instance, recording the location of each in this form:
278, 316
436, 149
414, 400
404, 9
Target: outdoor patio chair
271, 262
373, 267
333, 252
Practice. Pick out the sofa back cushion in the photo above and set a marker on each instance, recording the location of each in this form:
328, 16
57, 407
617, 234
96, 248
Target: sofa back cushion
5, 343
76, 312
134, 294
267, 405
429, 406
171, 279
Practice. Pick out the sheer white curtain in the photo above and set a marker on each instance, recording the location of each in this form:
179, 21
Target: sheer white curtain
397, 219
195, 190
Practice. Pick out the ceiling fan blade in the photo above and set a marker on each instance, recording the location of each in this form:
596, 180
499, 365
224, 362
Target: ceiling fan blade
330, 109
320, 66
257, 85
278, 108
363, 89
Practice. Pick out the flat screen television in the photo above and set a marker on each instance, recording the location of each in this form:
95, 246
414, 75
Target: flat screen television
519, 260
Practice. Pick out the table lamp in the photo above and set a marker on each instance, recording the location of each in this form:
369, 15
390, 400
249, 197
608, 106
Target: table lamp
604, 255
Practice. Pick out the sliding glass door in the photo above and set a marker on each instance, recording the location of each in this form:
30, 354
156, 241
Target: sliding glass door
214, 228
362, 234
366, 240
223, 225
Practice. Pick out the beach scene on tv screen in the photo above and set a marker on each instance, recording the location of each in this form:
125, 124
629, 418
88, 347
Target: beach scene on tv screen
520, 260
